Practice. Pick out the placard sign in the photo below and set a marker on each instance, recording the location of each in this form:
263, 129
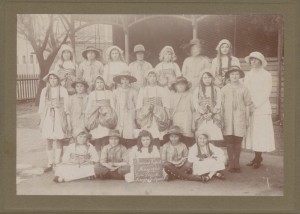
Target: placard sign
148, 170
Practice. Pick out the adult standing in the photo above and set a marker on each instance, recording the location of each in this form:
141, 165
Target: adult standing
260, 135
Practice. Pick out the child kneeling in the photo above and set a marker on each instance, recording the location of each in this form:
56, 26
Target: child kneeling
208, 160
174, 155
78, 159
113, 159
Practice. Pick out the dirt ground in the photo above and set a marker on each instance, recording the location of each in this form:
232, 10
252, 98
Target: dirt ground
31, 158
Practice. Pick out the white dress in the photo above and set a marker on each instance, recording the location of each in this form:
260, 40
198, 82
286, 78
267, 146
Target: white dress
154, 92
207, 164
93, 102
53, 109
113, 69
70, 169
260, 134
200, 104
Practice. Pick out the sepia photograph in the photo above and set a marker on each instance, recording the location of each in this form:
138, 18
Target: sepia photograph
148, 105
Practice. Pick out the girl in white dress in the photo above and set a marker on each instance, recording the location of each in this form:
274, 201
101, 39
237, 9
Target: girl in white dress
208, 160
207, 103
167, 70
53, 110
78, 159
115, 66
223, 62
153, 108
66, 67
100, 115
260, 134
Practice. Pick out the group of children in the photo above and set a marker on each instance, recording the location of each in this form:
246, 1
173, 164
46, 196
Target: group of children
116, 113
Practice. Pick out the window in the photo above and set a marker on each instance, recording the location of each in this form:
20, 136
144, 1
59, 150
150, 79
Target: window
31, 59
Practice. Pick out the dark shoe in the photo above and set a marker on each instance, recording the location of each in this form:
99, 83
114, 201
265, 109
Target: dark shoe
55, 179
205, 178
256, 165
237, 170
220, 175
49, 168
231, 170
251, 162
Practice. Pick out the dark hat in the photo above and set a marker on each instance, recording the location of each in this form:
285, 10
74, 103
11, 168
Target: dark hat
181, 79
90, 48
173, 130
82, 81
114, 133
233, 69
126, 74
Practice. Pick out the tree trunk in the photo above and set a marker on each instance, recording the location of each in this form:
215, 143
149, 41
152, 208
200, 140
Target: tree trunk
44, 68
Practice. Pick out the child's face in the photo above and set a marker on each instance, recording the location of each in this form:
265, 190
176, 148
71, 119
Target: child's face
174, 138
140, 56
224, 49
79, 88
113, 141
180, 87
125, 82
53, 81
115, 55
195, 50
99, 84
234, 77
202, 140
207, 80
91, 55
167, 56
66, 55
146, 141
81, 139
152, 79
255, 63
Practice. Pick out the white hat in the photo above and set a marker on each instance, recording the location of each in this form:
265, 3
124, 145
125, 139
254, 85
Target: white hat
223, 41
65, 47
256, 55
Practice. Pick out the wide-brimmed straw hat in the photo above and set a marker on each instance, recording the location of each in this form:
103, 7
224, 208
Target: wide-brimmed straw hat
52, 72
90, 48
181, 79
223, 41
125, 74
82, 81
233, 69
257, 55
114, 133
173, 130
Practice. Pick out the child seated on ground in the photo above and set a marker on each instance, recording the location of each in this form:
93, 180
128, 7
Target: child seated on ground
78, 159
113, 159
174, 156
208, 160
145, 148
